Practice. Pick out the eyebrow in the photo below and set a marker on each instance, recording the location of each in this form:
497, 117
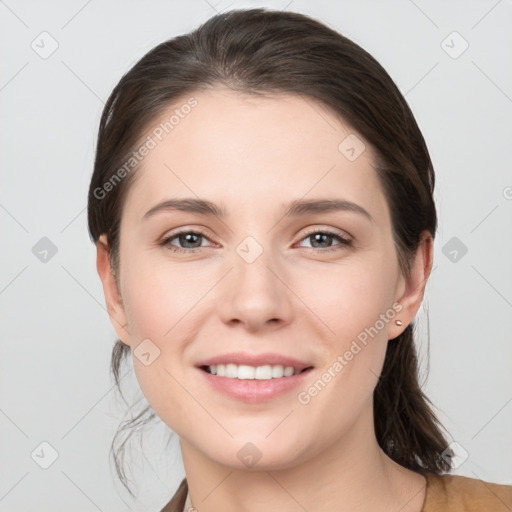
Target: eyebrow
295, 208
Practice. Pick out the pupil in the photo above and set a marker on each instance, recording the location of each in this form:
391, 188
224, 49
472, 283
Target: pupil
319, 236
186, 238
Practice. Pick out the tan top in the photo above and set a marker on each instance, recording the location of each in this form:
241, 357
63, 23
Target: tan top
445, 493
463, 494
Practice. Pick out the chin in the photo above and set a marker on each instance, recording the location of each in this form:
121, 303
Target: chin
256, 455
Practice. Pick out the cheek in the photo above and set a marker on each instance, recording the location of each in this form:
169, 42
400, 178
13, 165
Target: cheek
357, 307
159, 295
163, 301
351, 298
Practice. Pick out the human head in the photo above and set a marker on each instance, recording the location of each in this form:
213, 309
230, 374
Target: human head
262, 54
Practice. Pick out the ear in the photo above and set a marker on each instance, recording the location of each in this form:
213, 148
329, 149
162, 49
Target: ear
410, 290
113, 298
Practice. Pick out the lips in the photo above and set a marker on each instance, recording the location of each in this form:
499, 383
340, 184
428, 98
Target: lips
254, 391
245, 358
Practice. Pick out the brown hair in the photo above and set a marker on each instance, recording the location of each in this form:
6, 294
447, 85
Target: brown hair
266, 51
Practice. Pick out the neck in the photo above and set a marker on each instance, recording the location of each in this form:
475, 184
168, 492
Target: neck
351, 474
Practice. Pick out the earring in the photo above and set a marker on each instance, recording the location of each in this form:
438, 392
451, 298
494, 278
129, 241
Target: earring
398, 322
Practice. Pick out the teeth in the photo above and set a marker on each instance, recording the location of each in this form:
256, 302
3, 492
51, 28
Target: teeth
245, 372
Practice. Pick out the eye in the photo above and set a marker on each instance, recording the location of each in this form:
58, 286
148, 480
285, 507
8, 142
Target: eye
187, 238
321, 236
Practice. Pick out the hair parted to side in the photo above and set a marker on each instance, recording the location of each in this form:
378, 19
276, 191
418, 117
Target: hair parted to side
262, 51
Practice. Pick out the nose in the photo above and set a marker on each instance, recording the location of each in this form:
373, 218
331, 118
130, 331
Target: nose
255, 293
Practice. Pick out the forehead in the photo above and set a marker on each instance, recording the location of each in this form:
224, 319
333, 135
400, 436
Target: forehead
252, 152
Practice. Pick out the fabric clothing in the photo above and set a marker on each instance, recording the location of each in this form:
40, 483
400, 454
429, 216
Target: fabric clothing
444, 493
463, 494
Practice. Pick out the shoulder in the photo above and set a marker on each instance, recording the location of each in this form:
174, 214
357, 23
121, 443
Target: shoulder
464, 494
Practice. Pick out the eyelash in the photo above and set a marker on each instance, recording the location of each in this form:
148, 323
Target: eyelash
343, 241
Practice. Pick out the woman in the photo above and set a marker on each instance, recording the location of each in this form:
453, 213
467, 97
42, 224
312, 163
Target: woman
262, 206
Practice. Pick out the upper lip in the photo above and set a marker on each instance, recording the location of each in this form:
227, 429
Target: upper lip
266, 358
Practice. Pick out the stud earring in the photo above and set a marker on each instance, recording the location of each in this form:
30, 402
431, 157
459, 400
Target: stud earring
398, 322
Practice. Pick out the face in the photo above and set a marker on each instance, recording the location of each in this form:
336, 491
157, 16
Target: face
318, 286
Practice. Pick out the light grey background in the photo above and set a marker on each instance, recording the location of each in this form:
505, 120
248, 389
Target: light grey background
56, 337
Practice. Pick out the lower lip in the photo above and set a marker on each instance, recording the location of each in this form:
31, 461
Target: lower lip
254, 390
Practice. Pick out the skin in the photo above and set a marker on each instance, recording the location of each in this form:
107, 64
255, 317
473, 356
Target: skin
252, 155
